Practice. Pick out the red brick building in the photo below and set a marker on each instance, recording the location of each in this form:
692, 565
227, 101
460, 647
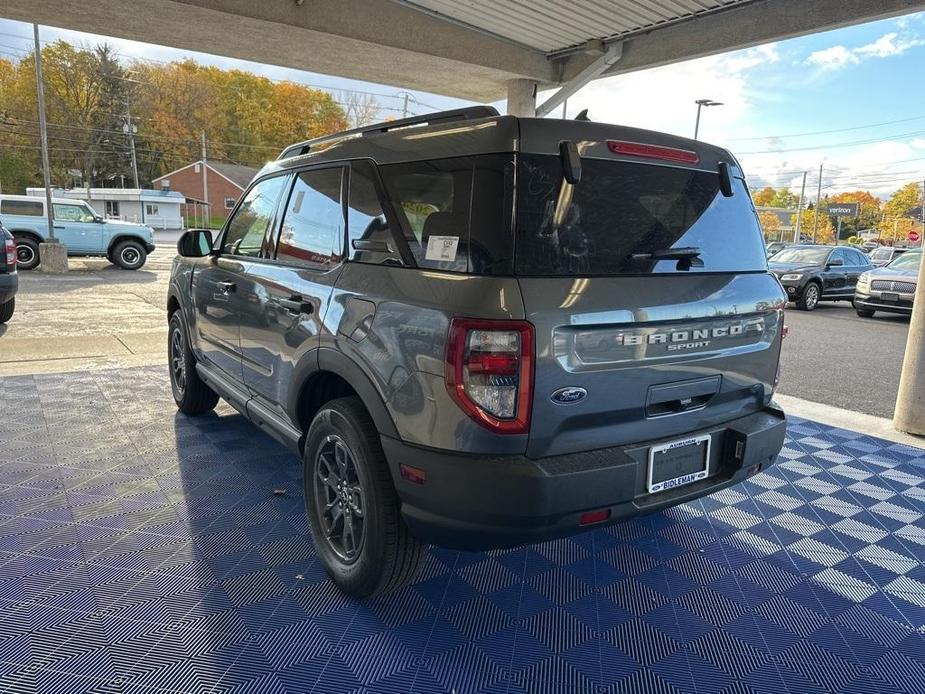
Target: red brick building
225, 183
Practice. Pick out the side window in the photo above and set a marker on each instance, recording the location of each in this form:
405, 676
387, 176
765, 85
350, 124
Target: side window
370, 237
312, 234
72, 213
839, 253
860, 259
26, 208
248, 227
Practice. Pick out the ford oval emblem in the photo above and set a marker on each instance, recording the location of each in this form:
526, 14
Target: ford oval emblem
569, 395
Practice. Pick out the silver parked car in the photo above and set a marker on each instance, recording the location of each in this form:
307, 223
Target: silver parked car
889, 288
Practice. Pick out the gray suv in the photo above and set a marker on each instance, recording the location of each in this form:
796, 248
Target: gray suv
480, 331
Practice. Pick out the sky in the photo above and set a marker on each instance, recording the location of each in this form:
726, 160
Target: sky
851, 100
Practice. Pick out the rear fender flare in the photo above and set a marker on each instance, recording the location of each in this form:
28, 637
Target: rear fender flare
325, 359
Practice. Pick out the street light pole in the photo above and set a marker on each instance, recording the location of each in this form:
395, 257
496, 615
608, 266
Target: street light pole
700, 104
43, 133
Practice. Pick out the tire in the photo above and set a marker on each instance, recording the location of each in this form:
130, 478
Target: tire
864, 312
192, 395
386, 555
27, 253
6, 310
129, 255
809, 297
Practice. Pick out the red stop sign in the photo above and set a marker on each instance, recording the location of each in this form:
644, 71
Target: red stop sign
913, 236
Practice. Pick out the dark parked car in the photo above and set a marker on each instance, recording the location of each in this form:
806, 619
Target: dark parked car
880, 257
9, 279
811, 274
890, 288
468, 362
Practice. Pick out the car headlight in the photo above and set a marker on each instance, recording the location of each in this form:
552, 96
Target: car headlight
792, 277
864, 278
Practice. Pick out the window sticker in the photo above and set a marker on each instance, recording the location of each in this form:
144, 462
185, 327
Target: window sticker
442, 248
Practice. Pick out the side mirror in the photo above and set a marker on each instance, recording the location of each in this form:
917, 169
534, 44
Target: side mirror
195, 243
835, 262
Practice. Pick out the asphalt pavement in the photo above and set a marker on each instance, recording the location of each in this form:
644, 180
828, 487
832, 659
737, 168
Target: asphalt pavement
834, 357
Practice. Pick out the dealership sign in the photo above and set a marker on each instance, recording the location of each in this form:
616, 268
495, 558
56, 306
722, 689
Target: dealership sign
842, 209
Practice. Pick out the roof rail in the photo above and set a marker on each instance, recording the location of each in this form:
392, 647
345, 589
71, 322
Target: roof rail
456, 114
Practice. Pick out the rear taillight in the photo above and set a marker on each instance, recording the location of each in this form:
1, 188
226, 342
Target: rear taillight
9, 246
639, 149
489, 372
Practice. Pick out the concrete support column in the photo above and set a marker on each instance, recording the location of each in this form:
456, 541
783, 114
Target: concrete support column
52, 257
910, 401
521, 98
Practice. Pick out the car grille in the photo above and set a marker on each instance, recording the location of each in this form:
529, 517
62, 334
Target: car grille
891, 286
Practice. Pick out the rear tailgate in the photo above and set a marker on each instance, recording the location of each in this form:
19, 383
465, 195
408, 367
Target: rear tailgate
632, 346
657, 357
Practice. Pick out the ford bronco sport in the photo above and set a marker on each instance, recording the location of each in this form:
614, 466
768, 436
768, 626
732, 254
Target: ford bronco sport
480, 331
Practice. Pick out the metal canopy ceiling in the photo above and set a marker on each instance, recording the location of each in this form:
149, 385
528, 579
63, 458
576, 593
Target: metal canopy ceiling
552, 25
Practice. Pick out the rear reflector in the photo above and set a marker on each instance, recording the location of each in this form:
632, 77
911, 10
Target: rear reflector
638, 149
592, 517
785, 330
412, 474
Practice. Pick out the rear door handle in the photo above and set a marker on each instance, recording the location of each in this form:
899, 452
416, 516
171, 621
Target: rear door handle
296, 304
227, 287
59, 226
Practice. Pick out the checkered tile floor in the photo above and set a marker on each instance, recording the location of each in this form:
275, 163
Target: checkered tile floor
142, 551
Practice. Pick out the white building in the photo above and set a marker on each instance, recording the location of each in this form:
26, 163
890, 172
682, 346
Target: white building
159, 209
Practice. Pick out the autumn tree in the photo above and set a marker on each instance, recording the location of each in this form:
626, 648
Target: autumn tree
770, 225
825, 232
246, 118
868, 211
899, 216
763, 197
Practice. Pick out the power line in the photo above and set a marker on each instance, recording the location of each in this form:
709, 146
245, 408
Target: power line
854, 143
826, 132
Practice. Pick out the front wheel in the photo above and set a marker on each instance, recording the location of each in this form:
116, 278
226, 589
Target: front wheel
192, 395
352, 506
6, 310
809, 299
129, 255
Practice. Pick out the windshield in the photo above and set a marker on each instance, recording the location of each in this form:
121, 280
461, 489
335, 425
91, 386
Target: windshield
620, 210
880, 254
804, 256
907, 261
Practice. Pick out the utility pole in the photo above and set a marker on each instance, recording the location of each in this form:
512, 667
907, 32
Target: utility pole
43, 134
796, 232
404, 108
818, 202
205, 183
564, 108
130, 129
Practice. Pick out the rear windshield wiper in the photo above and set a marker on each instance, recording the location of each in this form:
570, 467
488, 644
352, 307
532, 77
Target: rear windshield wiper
669, 254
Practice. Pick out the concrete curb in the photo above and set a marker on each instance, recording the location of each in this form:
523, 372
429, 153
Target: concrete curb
880, 427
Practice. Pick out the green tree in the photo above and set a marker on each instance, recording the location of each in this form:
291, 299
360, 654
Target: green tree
783, 198
897, 221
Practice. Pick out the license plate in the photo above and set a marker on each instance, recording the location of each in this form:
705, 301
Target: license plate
678, 463
889, 296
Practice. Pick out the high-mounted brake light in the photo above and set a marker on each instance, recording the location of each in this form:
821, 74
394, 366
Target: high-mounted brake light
10, 249
489, 372
638, 149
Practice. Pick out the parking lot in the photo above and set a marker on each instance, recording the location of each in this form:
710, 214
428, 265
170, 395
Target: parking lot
833, 356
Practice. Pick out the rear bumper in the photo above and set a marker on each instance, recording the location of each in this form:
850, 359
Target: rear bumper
479, 502
9, 285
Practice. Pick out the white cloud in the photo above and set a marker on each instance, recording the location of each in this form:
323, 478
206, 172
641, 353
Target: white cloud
888, 45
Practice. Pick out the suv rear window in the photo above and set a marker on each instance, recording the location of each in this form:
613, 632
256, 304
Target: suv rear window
619, 209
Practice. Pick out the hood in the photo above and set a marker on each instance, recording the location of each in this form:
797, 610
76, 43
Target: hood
778, 268
888, 273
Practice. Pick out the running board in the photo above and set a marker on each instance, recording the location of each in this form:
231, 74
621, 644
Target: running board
257, 413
